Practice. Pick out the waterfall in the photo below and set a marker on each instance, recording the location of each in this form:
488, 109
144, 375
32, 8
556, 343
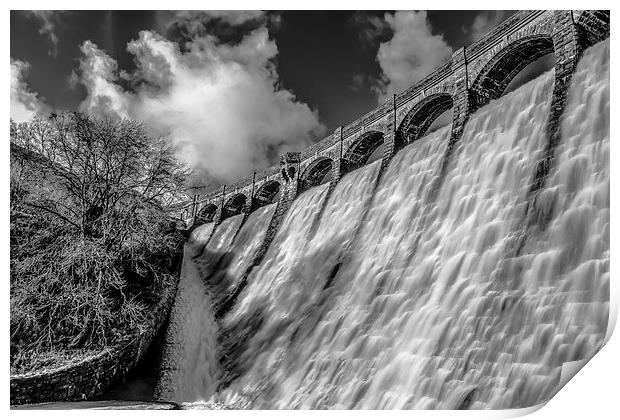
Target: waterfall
219, 248
294, 366
223, 235
286, 288
227, 275
199, 238
255, 301
389, 295
190, 369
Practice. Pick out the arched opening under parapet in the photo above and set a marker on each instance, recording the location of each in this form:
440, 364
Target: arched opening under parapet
377, 154
268, 193
318, 172
436, 108
365, 149
496, 76
234, 205
441, 121
531, 72
207, 213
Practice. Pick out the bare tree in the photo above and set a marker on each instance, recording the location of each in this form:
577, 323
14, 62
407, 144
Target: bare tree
91, 243
104, 165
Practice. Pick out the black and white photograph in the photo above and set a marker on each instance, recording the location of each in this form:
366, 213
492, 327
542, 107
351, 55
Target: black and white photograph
265, 209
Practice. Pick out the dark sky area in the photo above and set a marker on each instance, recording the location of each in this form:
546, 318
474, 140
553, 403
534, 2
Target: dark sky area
319, 53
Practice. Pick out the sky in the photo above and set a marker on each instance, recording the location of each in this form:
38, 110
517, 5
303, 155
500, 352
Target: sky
232, 89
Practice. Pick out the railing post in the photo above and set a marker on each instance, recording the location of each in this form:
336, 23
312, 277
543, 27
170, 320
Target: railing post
249, 206
337, 157
461, 95
389, 137
219, 216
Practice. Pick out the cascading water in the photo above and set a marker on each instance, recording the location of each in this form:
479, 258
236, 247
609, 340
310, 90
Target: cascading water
253, 303
225, 275
426, 304
311, 310
288, 305
199, 238
223, 235
190, 369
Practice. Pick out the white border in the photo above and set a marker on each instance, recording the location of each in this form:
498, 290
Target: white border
592, 395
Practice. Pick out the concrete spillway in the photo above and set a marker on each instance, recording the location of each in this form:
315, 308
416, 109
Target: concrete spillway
405, 289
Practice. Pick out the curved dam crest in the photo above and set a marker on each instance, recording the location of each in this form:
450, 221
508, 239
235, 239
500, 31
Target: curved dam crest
453, 277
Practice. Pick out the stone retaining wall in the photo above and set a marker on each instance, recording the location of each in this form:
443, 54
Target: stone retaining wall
90, 376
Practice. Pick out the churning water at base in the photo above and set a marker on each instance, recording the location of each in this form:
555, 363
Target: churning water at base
425, 304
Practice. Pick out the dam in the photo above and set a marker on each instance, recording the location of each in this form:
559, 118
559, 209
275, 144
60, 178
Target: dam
460, 270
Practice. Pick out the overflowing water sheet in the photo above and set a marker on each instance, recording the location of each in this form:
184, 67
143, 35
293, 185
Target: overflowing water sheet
224, 234
284, 291
219, 245
302, 361
193, 332
228, 270
190, 369
199, 238
556, 290
253, 302
405, 296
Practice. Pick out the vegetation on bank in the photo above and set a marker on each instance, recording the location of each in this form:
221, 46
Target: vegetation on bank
92, 246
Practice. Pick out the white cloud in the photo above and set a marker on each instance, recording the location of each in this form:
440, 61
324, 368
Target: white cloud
413, 52
25, 104
220, 103
99, 73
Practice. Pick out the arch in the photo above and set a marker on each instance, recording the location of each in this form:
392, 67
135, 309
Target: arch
497, 73
267, 193
360, 150
316, 171
419, 119
234, 205
207, 213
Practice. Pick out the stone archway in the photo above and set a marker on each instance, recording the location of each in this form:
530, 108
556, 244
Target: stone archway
419, 119
207, 213
504, 66
234, 205
360, 150
316, 172
267, 193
